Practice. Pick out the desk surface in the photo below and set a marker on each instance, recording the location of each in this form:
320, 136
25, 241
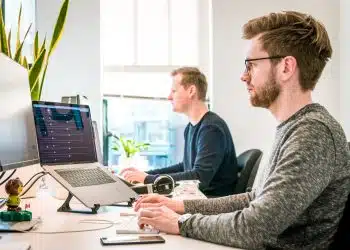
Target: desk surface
45, 207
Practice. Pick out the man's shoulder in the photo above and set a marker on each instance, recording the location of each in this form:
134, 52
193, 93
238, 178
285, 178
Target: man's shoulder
213, 119
314, 126
313, 117
320, 118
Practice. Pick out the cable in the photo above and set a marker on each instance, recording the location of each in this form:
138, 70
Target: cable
8, 177
110, 224
31, 185
2, 174
42, 172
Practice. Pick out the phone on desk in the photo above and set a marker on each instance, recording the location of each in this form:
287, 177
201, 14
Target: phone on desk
132, 239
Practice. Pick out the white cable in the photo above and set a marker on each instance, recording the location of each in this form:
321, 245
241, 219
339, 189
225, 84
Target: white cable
110, 224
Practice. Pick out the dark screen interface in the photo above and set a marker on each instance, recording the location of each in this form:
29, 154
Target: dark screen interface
64, 134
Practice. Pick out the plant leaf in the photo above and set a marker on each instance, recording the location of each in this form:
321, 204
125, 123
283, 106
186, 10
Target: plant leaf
34, 74
24, 62
18, 40
43, 46
43, 77
36, 46
3, 39
17, 56
9, 44
55, 38
57, 33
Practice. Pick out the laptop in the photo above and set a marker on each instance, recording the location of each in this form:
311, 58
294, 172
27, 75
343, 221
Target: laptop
67, 152
97, 143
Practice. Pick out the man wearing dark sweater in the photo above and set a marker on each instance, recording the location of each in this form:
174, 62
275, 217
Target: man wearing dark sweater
301, 193
209, 154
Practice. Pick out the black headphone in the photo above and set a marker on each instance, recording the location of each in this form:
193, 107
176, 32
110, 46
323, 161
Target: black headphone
163, 184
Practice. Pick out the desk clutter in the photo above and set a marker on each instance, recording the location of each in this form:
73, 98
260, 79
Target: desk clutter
18, 226
15, 246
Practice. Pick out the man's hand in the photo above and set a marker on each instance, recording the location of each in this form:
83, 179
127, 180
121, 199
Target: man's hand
160, 218
156, 200
133, 175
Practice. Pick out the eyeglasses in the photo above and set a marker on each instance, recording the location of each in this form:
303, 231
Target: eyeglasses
248, 66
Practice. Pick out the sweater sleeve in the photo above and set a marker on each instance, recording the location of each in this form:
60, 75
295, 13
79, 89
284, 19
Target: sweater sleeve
225, 204
209, 156
168, 170
304, 169
153, 174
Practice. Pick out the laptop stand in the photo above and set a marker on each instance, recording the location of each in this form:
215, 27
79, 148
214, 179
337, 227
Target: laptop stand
128, 204
66, 208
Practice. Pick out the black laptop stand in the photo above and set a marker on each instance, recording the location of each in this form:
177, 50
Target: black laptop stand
66, 208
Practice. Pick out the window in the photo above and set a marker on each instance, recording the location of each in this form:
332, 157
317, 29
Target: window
142, 41
11, 11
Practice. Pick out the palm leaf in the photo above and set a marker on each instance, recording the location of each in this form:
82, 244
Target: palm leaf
57, 33
17, 56
3, 39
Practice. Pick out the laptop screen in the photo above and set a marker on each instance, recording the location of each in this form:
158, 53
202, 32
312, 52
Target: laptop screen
64, 133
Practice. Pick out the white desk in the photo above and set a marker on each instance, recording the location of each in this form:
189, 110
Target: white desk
46, 206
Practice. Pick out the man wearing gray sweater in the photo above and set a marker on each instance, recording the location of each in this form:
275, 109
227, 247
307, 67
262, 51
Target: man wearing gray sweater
303, 190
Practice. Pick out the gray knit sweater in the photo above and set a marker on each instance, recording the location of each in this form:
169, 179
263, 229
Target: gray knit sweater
301, 199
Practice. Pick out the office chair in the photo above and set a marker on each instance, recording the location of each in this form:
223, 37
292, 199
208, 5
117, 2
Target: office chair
342, 236
248, 162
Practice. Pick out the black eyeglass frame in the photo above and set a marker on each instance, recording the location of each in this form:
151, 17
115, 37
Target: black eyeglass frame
246, 61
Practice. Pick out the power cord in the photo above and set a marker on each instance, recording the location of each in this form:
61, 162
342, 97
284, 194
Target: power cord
31, 178
31, 185
108, 222
2, 175
8, 177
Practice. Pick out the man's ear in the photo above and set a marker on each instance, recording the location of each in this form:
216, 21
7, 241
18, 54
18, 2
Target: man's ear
192, 91
289, 67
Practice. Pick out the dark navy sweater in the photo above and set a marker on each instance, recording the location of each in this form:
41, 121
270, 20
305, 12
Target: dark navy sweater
209, 157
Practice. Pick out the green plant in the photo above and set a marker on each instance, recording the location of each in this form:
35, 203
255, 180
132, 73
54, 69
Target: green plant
130, 147
41, 55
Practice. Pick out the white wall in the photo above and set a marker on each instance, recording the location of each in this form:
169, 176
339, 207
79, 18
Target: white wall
255, 127
74, 67
345, 65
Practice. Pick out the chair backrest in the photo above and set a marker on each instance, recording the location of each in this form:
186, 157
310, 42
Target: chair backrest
342, 236
248, 163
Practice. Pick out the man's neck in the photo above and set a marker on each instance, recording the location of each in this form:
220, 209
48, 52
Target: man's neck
287, 105
196, 112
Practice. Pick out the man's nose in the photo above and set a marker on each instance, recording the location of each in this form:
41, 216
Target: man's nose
244, 77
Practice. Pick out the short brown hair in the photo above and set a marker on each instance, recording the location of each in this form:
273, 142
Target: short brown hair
193, 76
296, 34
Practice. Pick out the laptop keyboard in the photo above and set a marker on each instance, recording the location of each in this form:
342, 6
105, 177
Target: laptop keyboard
85, 177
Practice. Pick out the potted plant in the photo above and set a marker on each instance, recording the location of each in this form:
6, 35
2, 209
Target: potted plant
41, 54
129, 149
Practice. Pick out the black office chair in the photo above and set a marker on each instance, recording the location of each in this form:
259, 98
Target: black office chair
342, 236
248, 162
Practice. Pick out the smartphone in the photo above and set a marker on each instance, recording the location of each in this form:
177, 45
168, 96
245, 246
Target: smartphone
132, 239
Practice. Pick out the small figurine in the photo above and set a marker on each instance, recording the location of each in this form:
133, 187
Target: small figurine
13, 189
14, 212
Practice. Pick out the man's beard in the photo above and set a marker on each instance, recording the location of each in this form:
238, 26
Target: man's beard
264, 96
